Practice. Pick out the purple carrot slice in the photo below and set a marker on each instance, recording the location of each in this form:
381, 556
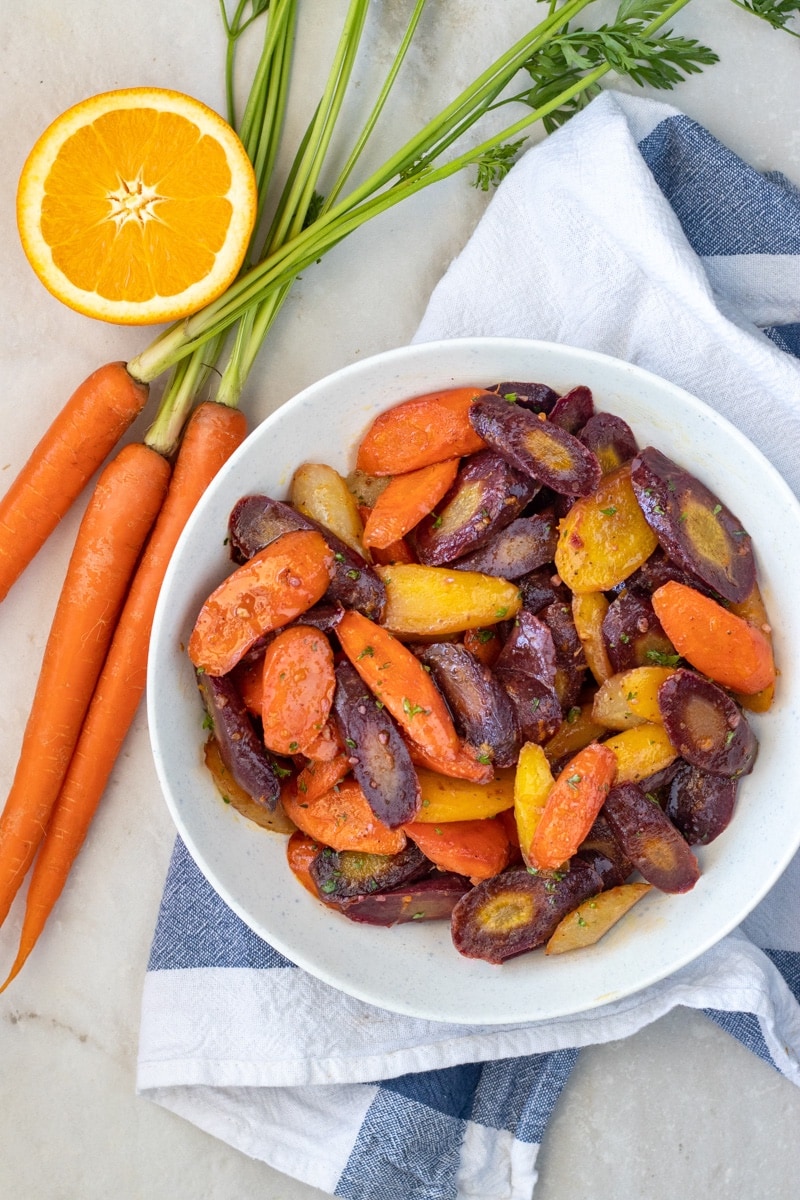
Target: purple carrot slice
378, 755
516, 911
534, 445
694, 528
240, 747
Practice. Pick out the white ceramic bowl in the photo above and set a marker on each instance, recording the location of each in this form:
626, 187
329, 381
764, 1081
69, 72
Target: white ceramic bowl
414, 968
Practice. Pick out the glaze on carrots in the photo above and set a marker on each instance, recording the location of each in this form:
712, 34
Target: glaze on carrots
419, 432
397, 679
268, 591
571, 806
714, 640
405, 501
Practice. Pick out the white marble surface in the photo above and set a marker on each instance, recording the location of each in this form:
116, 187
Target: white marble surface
678, 1110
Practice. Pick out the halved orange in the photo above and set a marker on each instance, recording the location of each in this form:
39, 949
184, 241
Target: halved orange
136, 206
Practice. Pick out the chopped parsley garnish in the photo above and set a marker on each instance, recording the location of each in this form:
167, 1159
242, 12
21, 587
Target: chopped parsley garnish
661, 659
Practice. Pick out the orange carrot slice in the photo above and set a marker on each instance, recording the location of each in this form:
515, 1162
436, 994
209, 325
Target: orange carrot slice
397, 678
318, 777
484, 644
572, 804
715, 641
297, 689
419, 432
342, 819
464, 764
248, 677
407, 499
268, 591
301, 850
477, 849
326, 745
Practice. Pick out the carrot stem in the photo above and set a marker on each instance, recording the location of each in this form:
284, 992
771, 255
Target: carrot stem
119, 516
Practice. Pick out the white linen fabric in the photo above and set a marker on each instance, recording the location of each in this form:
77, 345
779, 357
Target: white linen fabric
631, 231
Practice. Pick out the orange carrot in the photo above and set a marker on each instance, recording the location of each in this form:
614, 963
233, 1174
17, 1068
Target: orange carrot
342, 819
318, 777
247, 676
272, 588
395, 552
387, 556
326, 745
484, 644
212, 434
419, 432
301, 850
406, 500
118, 518
297, 689
463, 764
715, 641
572, 804
85, 431
477, 849
397, 678
753, 610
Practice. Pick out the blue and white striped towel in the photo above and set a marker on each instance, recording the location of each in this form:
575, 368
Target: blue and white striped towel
633, 232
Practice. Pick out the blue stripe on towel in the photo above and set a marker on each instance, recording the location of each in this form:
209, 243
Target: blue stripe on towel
724, 206
745, 1027
788, 963
405, 1150
195, 928
786, 337
409, 1145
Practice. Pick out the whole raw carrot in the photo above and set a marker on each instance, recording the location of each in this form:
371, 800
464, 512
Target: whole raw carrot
85, 431
212, 434
118, 518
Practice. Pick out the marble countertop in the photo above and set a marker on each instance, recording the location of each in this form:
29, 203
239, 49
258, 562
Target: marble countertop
679, 1109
